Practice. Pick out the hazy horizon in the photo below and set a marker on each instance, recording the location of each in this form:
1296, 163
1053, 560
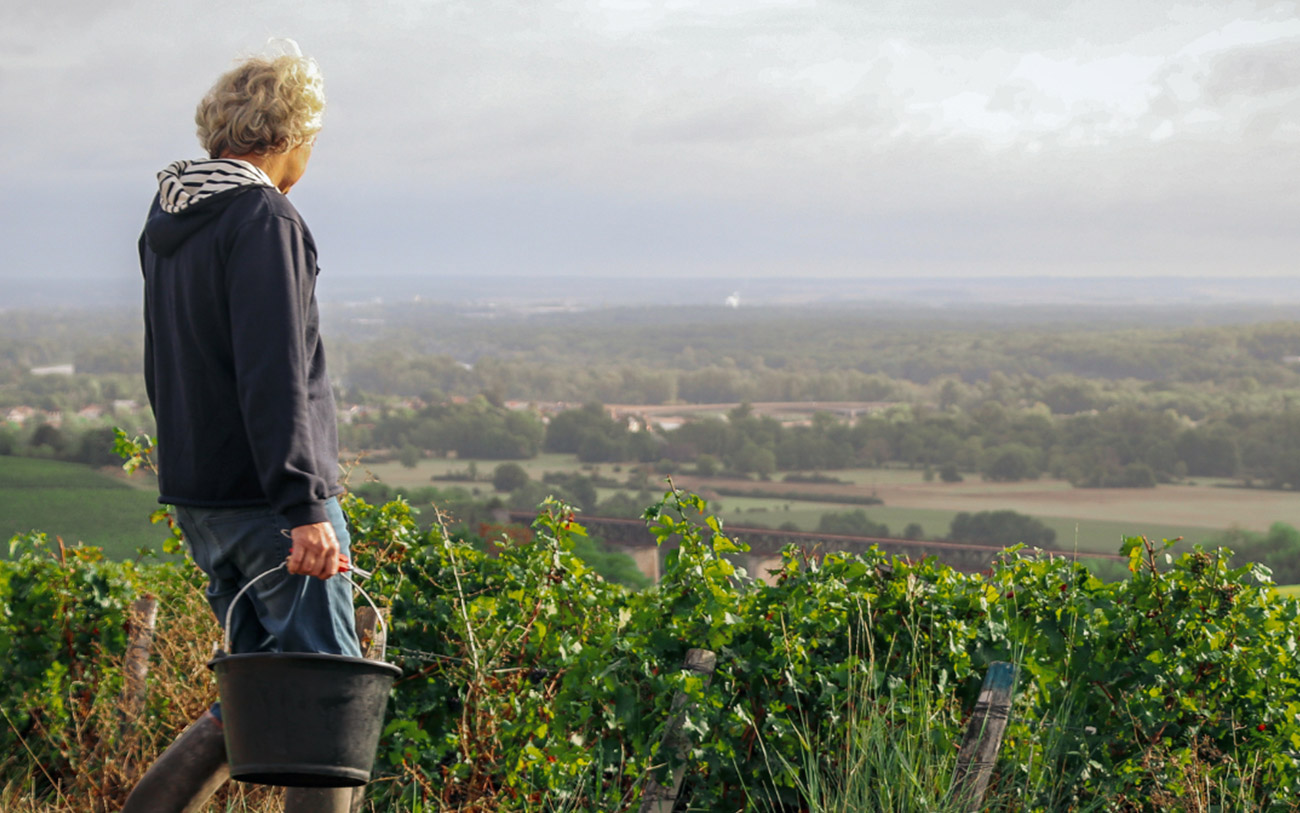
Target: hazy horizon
518, 293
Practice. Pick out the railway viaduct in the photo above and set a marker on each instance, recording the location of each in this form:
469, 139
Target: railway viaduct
631, 536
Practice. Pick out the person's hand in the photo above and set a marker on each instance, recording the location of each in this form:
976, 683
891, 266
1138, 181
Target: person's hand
315, 551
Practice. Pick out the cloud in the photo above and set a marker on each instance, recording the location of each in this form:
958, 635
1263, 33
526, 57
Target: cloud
1261, 70
710, 133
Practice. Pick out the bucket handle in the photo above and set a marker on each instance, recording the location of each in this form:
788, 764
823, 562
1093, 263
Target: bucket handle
383, 625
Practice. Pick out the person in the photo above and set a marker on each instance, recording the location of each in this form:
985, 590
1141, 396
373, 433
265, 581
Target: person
235, 372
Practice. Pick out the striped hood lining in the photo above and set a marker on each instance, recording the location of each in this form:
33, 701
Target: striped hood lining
184, 183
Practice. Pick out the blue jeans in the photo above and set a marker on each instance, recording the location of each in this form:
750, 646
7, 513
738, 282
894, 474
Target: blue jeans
282, 612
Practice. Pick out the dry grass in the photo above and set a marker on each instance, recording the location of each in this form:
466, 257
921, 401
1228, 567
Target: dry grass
115, 744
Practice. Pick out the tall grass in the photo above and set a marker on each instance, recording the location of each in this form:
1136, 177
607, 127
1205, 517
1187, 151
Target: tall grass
891, 747
898, 746
895, 757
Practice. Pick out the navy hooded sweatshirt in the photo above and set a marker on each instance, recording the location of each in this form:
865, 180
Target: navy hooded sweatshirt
234, 365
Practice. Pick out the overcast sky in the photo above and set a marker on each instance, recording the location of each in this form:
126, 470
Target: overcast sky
745, 138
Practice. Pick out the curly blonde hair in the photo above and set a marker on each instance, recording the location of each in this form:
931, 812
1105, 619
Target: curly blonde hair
264, 105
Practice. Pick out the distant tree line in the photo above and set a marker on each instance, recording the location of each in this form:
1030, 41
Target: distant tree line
1070, 361
1120, 447
475, 429
661, 356
90, 443
1004, 395
1278, 549
1000, 529
680, 355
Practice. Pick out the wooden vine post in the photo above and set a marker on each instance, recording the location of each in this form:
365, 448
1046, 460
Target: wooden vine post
371, 637
144, 619
979, 747
660, 798
369, 634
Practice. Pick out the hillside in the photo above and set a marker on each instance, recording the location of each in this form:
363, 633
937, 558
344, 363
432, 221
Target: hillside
77, 503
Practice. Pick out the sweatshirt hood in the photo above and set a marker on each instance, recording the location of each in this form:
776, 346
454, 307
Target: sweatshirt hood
190, 193
185, 183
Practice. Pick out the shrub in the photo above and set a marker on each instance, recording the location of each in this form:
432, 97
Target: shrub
1134, 475
814, 477
1000, 529
851, 523
409, 455
508, 477
1009, 462
706, 465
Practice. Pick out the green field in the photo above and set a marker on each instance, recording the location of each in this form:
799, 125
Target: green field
77, 503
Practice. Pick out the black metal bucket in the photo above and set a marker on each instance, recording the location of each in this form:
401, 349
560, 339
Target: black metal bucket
301, 719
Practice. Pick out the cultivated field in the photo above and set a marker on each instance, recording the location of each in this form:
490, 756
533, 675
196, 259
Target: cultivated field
1092, 520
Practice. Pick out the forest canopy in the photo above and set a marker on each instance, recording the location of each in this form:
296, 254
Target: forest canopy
1114, 398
